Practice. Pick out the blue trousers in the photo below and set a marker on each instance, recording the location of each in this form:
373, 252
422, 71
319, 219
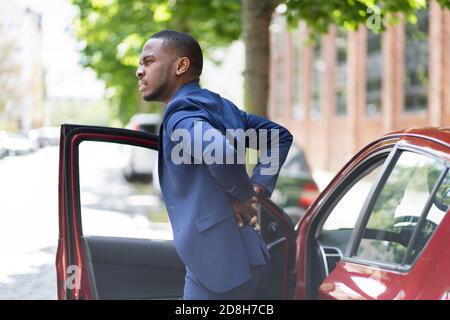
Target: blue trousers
194, 290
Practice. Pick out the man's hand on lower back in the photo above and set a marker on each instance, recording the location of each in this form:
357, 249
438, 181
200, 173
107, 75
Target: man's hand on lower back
246, 213
258, 190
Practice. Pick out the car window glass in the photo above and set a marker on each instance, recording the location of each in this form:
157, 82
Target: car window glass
339, 224
346, 212
118, 194
398, 207
439, 208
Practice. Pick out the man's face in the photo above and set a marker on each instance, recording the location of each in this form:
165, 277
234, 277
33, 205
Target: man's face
156, 71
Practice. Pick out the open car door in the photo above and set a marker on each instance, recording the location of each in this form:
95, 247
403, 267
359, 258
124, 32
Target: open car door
114, 236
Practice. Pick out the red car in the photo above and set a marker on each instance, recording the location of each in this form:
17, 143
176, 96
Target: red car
380, 230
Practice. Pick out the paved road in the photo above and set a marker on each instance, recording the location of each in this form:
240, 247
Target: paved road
28, 225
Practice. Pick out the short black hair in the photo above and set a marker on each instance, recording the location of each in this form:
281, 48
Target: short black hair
184, 45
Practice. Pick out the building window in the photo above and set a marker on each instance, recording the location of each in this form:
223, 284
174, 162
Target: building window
341, 72
373, 73
297, 101
416, 63
318, 68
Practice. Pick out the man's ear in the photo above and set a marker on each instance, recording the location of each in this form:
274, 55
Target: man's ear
183, 64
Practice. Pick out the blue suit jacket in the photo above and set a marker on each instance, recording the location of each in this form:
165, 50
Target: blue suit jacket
198, 196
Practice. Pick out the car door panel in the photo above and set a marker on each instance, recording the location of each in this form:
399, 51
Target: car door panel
100, 263
124, 268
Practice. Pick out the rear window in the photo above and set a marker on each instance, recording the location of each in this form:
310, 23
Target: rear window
150, 128
295, 164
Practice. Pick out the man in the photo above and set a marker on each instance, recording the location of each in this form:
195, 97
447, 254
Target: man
225, 258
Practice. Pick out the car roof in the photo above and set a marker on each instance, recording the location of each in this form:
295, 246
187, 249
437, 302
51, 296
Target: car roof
437, 134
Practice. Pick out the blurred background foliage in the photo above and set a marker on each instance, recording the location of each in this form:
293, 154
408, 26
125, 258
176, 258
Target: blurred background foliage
112, 33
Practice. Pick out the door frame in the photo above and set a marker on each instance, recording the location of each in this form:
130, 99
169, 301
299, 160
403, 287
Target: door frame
70, 255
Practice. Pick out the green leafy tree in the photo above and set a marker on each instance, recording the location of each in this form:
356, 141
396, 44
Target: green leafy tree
113, 32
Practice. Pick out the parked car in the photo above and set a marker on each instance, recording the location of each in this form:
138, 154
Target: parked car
140, 161
379, 230
296, 189
45, 136
16, 143
3, 152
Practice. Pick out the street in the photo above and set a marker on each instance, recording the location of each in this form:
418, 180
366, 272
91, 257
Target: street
29, 225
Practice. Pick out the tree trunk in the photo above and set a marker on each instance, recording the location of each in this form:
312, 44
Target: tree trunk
256, 21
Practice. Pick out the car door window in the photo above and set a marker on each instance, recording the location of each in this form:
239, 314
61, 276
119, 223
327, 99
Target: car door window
397, 211
438, 210
119, 192
338, 226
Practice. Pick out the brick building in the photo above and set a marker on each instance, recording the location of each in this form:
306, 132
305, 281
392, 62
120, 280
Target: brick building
351, 87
